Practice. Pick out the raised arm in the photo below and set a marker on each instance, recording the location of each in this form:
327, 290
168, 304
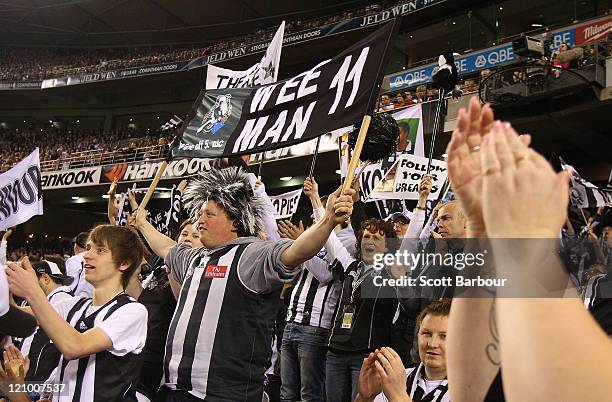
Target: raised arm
159, 242
112, 208
525, 201
472, 348
70, 342
312, 240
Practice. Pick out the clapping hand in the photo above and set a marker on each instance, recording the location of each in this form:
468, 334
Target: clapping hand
522, 195
290, 231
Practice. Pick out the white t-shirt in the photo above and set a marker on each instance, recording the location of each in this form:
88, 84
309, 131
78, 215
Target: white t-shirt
74, 268
126, 327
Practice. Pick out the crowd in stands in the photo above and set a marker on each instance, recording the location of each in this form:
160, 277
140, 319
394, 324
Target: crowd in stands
32, 64
469, 84
232, 293
59, 145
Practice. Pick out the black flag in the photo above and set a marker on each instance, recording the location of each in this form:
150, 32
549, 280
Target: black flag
335, 93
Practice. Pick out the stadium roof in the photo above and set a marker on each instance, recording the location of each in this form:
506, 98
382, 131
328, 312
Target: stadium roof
143, 22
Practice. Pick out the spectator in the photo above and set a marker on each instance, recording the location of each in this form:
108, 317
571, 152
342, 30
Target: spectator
383, 377
109, 340
385, 103
408, 100
400, 223
44, 356
399, 101
421, 93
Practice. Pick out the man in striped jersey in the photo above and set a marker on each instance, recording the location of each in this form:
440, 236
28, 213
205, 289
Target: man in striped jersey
101, 339
42, 353
383, 377
219, 340
309, 316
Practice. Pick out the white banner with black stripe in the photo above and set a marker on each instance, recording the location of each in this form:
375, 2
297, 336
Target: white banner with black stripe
264, 72
21, 192
584, 194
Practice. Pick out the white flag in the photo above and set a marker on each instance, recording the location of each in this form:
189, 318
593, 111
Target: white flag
286, 204
264, 72
21, 192
583, 193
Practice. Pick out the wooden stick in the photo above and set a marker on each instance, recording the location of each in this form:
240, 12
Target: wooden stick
348, 180
584, 217
151, 190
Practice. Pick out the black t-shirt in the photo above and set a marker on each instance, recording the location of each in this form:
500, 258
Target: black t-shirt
160, 304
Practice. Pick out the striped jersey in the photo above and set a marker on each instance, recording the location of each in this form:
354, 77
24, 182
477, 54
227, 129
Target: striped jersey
314, 296
112, 374
44, 356
421, 390
219, 342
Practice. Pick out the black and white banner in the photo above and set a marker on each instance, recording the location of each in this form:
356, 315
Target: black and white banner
333, 94
165, 218
264, 72
584, 194
21, 192
286, 204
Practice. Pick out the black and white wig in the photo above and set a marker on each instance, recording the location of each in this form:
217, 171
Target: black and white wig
230, 189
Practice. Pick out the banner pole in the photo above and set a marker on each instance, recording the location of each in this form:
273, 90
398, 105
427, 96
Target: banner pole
314, 158
348, 180
151, 190
261, 161
435, 127
586, 222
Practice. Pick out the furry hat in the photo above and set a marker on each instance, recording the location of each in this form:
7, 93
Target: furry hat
230, 189
381, 138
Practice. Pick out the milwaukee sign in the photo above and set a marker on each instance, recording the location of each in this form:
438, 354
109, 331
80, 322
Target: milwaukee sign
593, 31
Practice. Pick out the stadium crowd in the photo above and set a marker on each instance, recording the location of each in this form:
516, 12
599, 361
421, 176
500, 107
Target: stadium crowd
32, 64
69, 148
221, 302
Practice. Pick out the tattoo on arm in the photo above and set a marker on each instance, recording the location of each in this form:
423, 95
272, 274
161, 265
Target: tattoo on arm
492, 349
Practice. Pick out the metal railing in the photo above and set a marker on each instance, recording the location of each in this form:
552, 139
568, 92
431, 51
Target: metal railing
104, 157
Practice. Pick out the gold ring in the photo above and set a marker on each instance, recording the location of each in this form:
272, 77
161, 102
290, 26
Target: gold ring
524, 157
475, 148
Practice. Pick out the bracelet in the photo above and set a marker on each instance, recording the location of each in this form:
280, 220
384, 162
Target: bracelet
421, 208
